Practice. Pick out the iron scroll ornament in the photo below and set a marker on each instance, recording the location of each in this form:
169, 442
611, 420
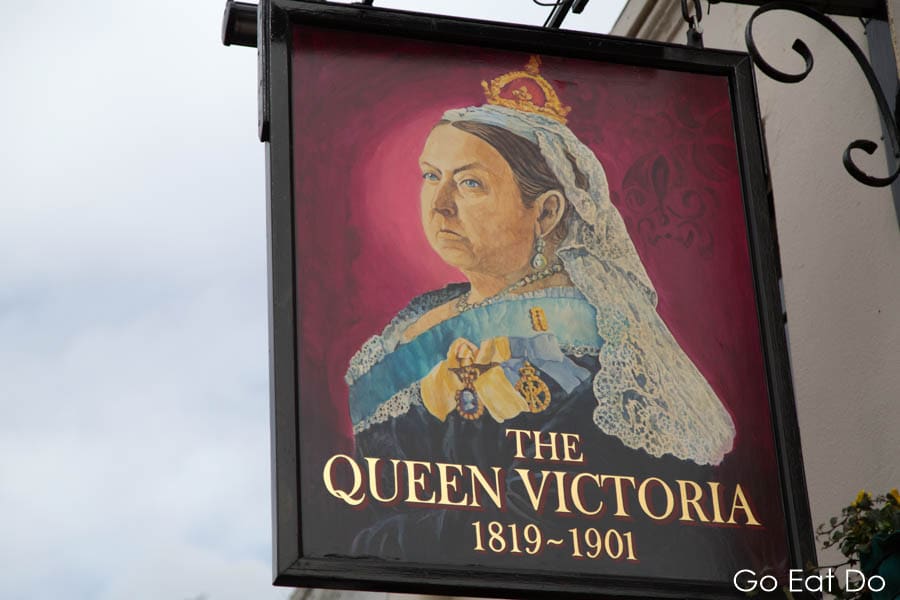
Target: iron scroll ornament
867, 146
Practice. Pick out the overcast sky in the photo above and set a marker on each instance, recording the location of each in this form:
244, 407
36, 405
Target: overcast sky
134, 441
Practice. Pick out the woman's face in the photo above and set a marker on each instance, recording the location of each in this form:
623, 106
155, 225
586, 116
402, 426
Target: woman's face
472, 210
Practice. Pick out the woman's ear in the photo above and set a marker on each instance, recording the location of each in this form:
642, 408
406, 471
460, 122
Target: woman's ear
551, 208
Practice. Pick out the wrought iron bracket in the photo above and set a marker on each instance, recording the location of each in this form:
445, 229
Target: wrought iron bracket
867, 146
561, 9
239, 24
695, 31
864, 9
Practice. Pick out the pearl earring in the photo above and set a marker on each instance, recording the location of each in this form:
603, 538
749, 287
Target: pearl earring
538, 261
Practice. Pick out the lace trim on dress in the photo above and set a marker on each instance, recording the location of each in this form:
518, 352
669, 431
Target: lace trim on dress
369, 355
397, 405
579, 350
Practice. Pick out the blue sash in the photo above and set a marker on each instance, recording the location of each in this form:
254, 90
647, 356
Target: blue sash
570, 318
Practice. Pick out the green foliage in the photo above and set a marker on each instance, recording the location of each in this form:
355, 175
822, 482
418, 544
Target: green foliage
854, 530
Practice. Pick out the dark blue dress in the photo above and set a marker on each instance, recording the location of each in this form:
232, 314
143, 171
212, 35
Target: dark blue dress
392, 421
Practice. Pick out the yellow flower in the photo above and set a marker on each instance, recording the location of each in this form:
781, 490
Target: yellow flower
895, 495
861, 497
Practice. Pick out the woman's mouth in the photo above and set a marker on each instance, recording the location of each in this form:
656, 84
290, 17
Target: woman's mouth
447, 234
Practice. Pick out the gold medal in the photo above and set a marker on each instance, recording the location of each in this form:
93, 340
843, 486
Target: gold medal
468, 403
533, 389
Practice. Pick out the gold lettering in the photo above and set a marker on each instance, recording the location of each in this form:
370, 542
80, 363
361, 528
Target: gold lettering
415, 481
448, 483
687, 503
348, 497
717, 511
374, 477
551, 445
570, 447
494, 492
645, 505
561, 506
536, 499
520, 453
620, 497
576, 493
740, 502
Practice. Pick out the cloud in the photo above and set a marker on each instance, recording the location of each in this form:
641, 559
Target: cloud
134, 450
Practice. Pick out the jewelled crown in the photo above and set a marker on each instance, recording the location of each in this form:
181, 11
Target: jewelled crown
526, 91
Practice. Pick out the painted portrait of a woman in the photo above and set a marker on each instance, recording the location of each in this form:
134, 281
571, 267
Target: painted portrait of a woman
554, 329
524, 297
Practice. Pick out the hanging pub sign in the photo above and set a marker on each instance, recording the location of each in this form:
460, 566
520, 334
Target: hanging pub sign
526, 329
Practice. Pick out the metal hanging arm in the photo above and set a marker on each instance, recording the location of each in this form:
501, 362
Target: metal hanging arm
239, 24
867, 146
558, 14
695, 31
560, 10
870, 9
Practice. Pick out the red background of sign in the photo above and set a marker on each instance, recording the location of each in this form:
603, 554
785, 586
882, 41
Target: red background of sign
362, 108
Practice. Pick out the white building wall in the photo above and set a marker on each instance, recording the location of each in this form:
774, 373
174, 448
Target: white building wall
840, 245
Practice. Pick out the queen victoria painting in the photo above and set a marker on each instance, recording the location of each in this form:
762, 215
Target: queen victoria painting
556, 293
526, 321
555, 328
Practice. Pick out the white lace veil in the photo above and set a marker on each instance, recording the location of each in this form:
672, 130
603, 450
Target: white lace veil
649, 393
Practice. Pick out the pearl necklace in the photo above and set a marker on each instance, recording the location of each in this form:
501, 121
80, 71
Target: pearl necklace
463, 304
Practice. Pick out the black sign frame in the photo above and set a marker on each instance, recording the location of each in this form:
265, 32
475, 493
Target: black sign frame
290, 565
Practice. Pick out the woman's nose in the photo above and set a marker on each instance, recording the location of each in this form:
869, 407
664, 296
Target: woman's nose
444, 202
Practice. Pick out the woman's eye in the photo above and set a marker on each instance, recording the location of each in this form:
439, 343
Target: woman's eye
429, 176
470, 183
